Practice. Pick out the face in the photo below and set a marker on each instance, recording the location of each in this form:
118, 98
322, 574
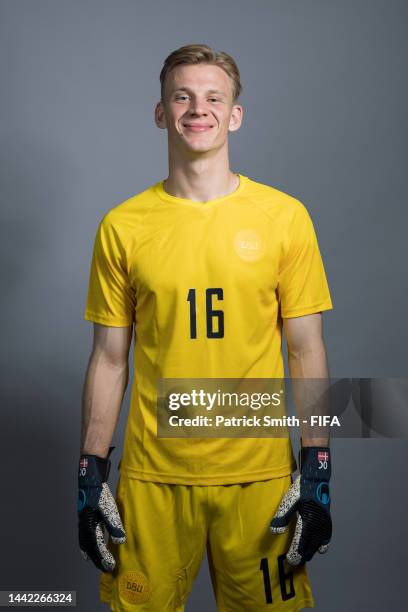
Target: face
198, 110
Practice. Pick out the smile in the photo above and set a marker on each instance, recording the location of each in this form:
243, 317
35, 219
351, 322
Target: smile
198, 128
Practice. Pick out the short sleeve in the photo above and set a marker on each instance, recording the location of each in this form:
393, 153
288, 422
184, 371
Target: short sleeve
111, 299
302, 284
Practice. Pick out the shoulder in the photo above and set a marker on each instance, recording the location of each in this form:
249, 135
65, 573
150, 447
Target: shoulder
130, 212
275, 201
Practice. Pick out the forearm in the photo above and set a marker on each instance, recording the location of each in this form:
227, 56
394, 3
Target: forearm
311, 397
103, 392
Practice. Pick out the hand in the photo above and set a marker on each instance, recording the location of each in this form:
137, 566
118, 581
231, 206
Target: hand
97, 509
309, 497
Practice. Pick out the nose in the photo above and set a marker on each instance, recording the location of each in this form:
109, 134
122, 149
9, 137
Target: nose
197, 107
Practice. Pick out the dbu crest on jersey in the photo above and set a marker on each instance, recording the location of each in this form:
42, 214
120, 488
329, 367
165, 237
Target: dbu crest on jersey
248, 245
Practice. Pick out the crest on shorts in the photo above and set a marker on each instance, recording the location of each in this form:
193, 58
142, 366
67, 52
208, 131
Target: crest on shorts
134, 587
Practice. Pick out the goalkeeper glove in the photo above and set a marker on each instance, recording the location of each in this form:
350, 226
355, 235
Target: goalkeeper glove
97, 509
309, 497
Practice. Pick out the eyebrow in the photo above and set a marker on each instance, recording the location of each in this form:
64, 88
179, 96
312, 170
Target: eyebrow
217, 91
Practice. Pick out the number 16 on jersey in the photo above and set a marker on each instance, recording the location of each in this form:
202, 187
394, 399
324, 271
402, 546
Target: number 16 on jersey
214, 318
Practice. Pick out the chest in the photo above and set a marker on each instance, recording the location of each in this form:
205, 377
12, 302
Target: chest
206, 249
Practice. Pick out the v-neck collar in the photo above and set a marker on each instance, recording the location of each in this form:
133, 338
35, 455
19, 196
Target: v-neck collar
163, 195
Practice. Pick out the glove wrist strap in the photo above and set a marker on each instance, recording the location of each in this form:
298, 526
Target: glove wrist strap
315, 461
95, 468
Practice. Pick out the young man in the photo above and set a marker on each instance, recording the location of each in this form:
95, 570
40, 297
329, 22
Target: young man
210, 267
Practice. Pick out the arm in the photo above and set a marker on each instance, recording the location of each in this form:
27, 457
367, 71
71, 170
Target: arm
307, 359
104, 387
309, 494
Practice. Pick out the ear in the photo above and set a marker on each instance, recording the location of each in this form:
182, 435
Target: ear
159, 116
237, 114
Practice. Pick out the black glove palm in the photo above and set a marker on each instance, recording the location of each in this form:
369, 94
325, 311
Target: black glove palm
97, 509
309, 497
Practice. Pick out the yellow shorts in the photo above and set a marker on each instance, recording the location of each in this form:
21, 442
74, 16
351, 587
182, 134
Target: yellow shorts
169, 527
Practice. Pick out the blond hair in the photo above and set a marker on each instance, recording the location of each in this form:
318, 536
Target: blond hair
202, 54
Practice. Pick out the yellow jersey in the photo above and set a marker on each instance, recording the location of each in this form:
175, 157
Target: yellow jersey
206, 285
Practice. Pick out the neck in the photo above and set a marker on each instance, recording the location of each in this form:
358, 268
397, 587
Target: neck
200, 178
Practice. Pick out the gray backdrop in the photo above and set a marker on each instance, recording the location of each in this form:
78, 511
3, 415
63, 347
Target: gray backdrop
324, 96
